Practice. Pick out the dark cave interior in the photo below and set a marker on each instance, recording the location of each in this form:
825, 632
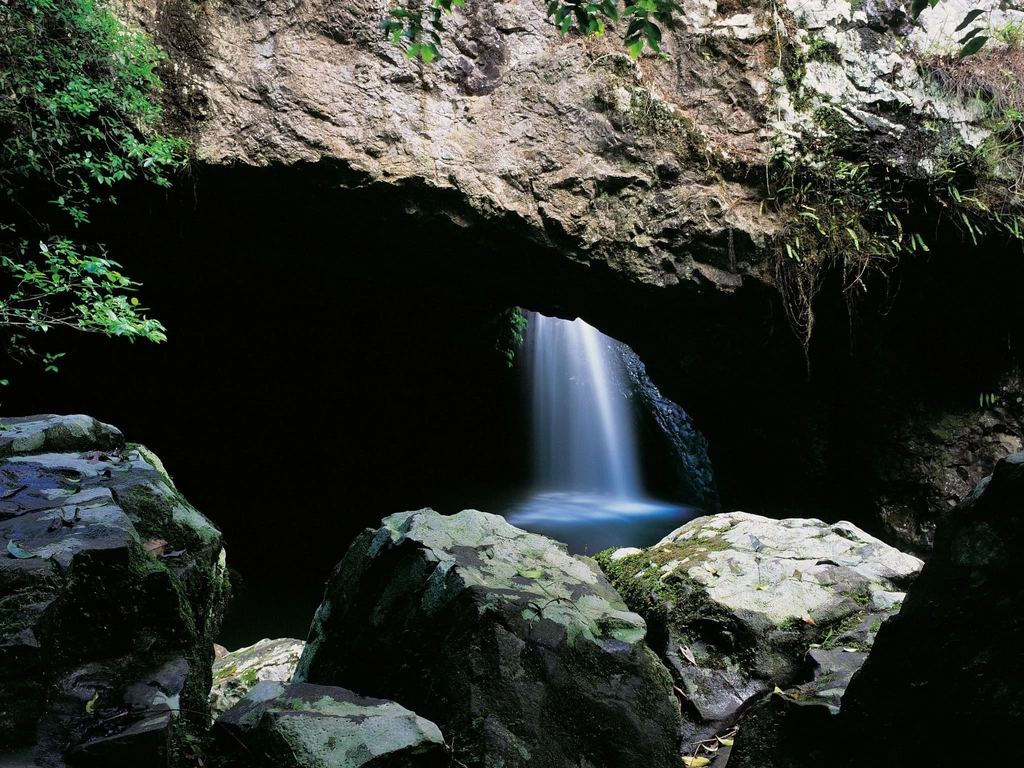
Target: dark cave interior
331, 361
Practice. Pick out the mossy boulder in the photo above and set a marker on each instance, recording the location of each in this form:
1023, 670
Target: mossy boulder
109, 576
735, 601
523, 654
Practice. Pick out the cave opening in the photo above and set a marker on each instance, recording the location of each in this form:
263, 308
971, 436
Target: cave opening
332, 360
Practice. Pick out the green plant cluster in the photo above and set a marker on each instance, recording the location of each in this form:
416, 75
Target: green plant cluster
418, 26
77, 116
839, 214
511, 327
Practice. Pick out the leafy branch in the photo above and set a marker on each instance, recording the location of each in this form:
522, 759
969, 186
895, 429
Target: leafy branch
77, 117
418, 27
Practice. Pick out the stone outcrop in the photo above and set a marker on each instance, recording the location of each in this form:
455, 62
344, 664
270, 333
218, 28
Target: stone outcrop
737, 604
521, 653
298, 725
639, 165
947, 670
111, 591
236, 672
929, 461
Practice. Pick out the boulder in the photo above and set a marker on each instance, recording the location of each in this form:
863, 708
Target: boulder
298, 725
111, 591
523, 654
945, 675
735, 601
235, 672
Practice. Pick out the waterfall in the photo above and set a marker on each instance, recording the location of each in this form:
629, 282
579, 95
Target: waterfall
582, 426
589, 491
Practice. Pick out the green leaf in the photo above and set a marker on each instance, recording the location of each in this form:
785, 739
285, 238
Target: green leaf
973, 47
533, 573
917, 6
971, 16
969, 35
18, 552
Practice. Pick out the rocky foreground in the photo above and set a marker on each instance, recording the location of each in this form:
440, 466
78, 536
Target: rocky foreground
460, 640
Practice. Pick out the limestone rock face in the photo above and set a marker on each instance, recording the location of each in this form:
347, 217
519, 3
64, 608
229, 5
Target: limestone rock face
298, 725
737, 600
235, 673
521, 653
642, 166
950, 665
111, 591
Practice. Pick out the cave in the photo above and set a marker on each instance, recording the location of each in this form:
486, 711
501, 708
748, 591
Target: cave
332, 360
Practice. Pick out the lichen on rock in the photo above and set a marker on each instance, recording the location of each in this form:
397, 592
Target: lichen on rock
520, 652
735, 601
99, 591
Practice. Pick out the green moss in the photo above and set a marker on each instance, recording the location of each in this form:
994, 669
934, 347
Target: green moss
250, 678
831, 120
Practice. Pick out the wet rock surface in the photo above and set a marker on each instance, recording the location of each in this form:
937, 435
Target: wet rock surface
740, 604
687, 475
235, 672
111, 590
298, 725
520, 652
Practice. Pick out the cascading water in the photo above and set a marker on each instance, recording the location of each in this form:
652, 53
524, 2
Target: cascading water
589, 492
582, 429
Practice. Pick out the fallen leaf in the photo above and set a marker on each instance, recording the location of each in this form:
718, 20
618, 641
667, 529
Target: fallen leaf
760, 587
725, 742
781, 692
809, 620
533, 573
695, 762
21, 554
688, 654
156, 547
814, 645
850, 650
175, 553
92, 703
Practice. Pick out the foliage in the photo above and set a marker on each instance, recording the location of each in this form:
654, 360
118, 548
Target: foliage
419, 25
841, 214
511, 327
76, 117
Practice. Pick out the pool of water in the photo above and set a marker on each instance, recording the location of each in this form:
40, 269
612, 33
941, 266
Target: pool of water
591, 522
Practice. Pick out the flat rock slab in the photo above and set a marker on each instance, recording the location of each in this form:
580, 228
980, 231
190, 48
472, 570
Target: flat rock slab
521, 652
298, 725
740, 599
236, 672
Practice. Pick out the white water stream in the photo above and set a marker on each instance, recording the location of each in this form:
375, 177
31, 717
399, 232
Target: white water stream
589, 491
